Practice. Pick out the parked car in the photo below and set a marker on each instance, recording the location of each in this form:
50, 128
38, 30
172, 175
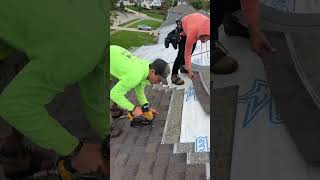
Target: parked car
144, 27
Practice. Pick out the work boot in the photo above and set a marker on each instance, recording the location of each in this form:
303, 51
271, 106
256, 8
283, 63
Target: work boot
25, 166
223, 64
114, 107
232, 27
183, 69
116, 112
19, 161
176, 79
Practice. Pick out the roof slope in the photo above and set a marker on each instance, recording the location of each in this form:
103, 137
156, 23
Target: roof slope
137, 153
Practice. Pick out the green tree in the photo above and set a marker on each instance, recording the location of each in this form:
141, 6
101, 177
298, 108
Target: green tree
122, 8
197, 4
175, 3
205, 4
139, 8
114, 4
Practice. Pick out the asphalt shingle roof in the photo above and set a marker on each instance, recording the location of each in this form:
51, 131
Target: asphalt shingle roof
223, 106
138, 153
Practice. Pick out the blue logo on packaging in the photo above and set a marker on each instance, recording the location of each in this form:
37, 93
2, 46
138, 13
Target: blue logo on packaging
191, 95
201, 144
257, 98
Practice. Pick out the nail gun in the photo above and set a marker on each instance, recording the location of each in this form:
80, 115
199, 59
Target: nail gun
144, 120
64, 170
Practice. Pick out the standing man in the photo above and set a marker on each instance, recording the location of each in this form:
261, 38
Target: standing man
222, 14
65, 42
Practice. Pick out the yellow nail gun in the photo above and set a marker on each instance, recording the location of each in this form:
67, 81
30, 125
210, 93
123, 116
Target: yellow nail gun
144, 120
67, 172
64, 170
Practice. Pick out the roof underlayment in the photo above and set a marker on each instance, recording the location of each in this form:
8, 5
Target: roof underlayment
261, 138
294, 6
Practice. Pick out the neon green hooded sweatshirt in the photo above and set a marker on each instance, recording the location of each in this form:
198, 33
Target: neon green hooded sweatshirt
5, 50
131, 73
66, 43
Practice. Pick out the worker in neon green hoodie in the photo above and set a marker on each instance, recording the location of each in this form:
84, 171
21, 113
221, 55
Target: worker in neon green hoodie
66, 43
134, 73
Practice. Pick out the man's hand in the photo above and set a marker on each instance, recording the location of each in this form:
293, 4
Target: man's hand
90, 159
137, 111
154, 111
259, 42
190, 74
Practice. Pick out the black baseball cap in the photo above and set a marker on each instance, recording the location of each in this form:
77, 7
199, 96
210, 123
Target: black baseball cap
161, 68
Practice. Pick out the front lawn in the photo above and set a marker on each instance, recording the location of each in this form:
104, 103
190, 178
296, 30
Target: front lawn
127, 39
155, 13
128, 22
151, 23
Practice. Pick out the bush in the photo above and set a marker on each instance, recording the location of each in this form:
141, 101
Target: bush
199, 4
114, 4
122, 8
139, 8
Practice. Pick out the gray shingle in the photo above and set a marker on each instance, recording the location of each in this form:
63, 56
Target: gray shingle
121, 159
139, 149
195, 172
201, 93
162, 159
165, 148
178, 158
224, 114
152, 147
130, 172
159, 172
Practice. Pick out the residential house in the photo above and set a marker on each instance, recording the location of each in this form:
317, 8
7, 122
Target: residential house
150, 4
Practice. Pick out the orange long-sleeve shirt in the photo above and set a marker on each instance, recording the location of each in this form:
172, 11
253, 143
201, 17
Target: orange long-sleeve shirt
194, 25
250, 9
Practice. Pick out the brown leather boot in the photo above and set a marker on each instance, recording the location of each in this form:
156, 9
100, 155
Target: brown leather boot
183, 69
19, 161
176, 79
222, 64
25, 166
117, 112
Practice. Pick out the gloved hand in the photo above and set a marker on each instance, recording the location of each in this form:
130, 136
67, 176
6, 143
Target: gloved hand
90, 159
